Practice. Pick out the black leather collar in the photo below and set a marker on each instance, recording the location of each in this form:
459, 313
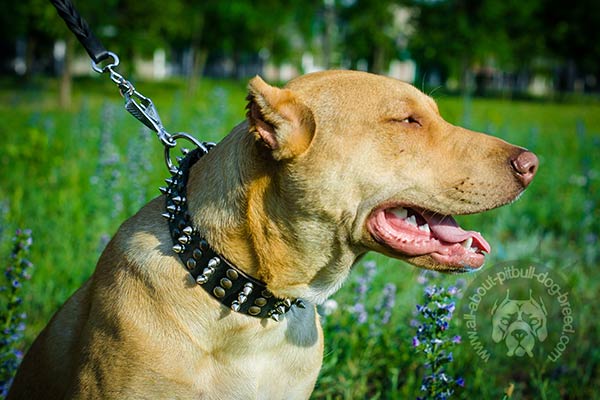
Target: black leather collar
221, 279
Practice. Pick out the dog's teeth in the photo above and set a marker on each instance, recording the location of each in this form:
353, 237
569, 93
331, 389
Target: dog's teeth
412, 220
473, 249
400, 212
425, 228
467, 243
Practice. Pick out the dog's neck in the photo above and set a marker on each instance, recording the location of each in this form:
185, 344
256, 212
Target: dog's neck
236, 205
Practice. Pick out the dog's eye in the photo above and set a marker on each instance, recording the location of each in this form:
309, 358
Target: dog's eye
410, 120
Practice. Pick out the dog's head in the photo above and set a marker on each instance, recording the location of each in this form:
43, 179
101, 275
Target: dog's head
364, 162
519, 323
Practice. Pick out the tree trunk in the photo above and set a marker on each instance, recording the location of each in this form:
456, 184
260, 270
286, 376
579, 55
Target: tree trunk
328, 39
30, 47
467, 76
66, 76
200, 56
378, 60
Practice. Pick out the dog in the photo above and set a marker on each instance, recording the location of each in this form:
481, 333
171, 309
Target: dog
519, 323
322, 171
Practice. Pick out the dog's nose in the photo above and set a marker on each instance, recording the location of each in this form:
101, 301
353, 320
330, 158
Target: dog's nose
525, 165
519, 334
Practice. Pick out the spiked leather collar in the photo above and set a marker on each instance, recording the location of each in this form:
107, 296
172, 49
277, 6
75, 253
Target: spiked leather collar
220, 278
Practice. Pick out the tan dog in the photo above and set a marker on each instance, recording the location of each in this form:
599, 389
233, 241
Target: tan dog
335, 165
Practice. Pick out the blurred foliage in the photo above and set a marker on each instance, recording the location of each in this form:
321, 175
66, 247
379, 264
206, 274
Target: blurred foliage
450, 36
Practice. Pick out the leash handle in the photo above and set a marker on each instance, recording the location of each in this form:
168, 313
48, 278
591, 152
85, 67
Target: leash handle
81, 29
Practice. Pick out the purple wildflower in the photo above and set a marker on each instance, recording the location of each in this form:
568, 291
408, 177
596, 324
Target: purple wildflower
431, 339
361, 313
11, 319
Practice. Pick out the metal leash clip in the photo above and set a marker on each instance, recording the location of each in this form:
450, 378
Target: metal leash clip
142, 108
138, 105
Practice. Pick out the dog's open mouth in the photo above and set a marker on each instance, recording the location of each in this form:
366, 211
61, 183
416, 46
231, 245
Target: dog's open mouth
413, 232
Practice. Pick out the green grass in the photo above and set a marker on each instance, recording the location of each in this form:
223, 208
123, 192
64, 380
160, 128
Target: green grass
66, 175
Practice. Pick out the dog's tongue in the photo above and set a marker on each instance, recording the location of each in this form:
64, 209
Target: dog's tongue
444, 227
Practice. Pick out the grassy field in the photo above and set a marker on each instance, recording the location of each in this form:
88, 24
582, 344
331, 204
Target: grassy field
67, 176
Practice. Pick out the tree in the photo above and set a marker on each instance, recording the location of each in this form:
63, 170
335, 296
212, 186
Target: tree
573, 36
243, 27
455, 35
371, 32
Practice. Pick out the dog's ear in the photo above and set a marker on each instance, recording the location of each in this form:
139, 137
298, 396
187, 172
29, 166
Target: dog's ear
279, 120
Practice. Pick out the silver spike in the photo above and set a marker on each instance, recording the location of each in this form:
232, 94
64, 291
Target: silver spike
281, 309
184, 151
235, 306
169, 181
179, 159
276, 317
174, 171
172, 208
188, 230
248, 288
178, 200
164, 190
178, 248
183, 239
213, 262
208, 271
242, 298
201, 279
287, 302
168, 216
300, 304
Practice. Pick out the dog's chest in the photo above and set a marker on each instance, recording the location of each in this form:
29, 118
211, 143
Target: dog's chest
280, 360
271, 372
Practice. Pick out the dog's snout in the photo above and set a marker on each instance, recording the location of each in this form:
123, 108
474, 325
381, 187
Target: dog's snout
525, 165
